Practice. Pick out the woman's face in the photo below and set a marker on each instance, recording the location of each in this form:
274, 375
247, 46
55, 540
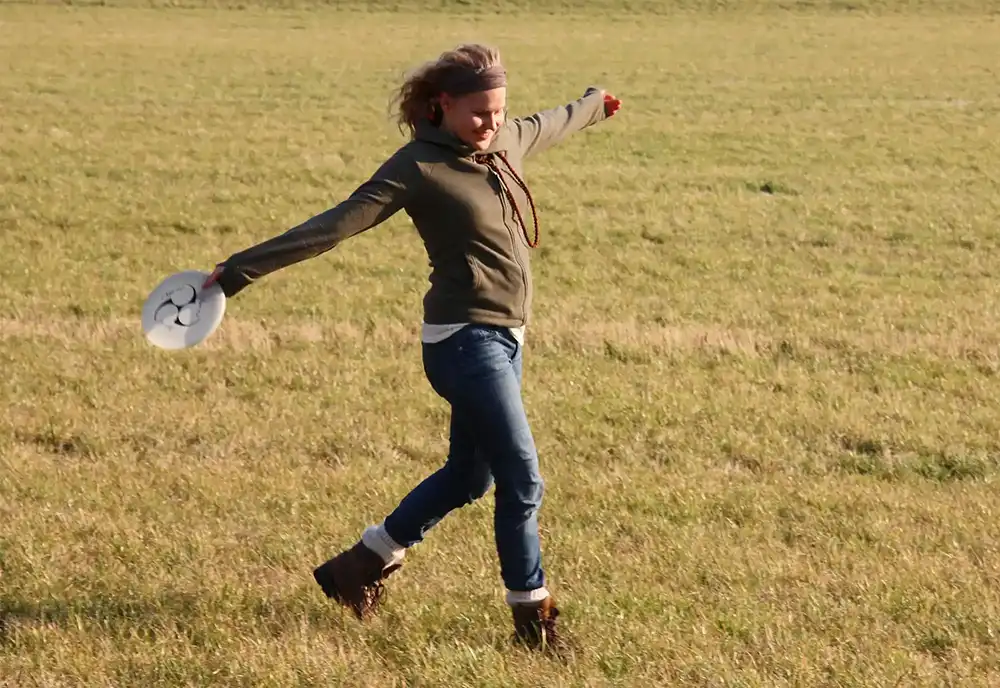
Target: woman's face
476, 117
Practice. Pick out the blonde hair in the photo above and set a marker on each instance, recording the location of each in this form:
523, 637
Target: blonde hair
452, 72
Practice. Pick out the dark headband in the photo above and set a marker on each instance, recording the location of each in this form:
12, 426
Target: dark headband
464, 81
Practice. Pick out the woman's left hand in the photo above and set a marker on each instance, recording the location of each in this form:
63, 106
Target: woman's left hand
611, 104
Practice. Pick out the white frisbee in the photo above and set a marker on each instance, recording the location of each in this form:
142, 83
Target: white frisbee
179, 314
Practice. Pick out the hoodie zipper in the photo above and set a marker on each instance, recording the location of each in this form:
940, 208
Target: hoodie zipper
513, 239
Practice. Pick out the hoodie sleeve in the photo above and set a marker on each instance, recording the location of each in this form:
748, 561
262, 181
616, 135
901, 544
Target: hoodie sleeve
549, 127
374, 202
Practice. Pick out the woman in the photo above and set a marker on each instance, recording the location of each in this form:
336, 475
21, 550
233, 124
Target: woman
459, 180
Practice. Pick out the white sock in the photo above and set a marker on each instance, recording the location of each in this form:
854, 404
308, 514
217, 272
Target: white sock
377, 540
526, 596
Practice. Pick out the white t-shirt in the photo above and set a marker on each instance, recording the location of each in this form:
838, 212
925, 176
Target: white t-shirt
432, 334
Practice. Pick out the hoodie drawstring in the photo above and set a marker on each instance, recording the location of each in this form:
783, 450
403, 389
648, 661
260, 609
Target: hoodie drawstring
491, 163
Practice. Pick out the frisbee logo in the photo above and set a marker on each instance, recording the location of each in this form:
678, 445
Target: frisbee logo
178, 314
180, 308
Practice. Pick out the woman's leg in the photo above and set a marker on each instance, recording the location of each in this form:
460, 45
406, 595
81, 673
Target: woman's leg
497, 412
464, 478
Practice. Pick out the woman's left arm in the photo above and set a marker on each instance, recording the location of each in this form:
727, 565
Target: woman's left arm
549, 127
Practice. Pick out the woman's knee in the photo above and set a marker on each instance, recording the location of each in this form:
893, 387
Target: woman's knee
479, 485
522, 498
471, 480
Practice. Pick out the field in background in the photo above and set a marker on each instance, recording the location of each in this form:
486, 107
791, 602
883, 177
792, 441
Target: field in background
763, 372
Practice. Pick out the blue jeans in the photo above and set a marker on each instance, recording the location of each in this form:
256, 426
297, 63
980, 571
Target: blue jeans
478, 371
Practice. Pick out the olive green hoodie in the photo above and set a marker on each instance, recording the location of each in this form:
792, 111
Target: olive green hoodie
480, 267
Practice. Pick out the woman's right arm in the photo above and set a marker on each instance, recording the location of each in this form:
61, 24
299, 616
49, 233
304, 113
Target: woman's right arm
375, 201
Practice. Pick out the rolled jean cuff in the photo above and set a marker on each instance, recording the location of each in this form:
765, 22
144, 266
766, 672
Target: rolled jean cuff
526, 596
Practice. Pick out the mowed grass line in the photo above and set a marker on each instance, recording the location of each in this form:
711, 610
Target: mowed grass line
762, 374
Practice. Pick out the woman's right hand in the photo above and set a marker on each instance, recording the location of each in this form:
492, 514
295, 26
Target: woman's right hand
213, 278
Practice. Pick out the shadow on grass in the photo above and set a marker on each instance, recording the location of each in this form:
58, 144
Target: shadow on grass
203, 620
100, 608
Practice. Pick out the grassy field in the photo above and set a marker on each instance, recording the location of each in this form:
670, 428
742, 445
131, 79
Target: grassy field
763, 374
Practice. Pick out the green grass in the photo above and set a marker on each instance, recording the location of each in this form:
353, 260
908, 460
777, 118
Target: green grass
763, 371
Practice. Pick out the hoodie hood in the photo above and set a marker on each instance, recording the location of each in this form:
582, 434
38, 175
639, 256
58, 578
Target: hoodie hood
502, 141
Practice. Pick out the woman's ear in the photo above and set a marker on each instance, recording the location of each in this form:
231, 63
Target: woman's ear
446, 102
435, 113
